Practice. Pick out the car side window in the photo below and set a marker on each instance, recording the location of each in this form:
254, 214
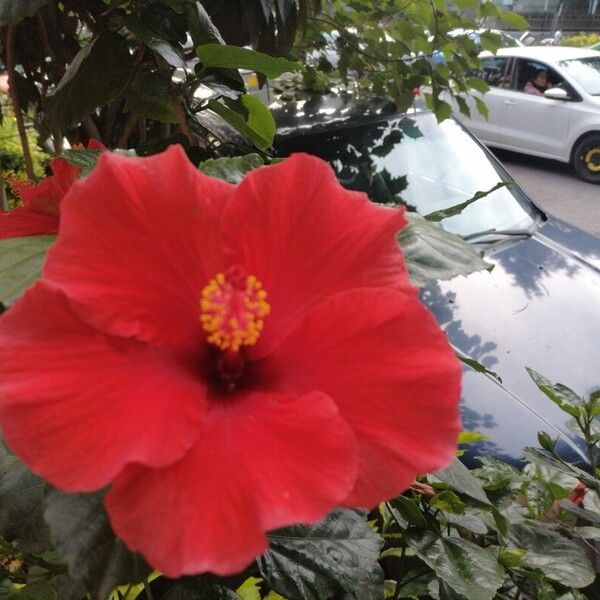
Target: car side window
527, 78
495, 72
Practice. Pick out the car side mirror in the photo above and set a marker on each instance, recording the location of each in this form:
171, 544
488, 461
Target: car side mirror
556, 94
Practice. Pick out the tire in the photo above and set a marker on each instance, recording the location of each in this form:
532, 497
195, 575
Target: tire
586, 158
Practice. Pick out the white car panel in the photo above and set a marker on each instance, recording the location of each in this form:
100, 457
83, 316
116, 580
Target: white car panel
535, 123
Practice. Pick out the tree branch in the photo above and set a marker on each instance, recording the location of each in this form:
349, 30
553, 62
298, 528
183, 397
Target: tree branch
183, 122
128, 128
14, 94
91, 129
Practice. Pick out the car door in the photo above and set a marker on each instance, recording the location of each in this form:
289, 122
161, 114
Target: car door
533, 123
496, 72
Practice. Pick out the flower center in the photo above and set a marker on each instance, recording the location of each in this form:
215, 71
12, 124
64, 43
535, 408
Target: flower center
232, 308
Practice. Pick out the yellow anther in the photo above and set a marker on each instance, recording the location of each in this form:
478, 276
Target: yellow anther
232, 308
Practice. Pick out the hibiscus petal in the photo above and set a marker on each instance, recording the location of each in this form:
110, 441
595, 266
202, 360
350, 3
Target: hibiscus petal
23, 221
94, 144
262, 461
77, 405
46, 195
138, 242
305, 237
380, 355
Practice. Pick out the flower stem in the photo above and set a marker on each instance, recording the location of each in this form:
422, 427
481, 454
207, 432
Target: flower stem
147, 589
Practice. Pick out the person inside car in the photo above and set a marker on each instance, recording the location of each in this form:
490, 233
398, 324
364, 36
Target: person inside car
538, 84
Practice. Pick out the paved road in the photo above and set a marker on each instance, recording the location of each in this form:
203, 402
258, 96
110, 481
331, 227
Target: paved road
556, 188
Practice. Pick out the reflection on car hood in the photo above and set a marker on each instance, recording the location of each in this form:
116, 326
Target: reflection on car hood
540, 308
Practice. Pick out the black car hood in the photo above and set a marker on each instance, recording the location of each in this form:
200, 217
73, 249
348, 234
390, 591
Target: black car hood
540, 308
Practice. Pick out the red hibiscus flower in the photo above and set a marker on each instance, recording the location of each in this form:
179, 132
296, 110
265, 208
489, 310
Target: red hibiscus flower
228, 359
577, 494
39, 213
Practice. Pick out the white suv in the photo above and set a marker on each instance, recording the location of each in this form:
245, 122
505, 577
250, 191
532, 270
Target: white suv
559, 119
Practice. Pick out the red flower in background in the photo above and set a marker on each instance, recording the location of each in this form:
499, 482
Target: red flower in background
229, 360
39, 213
577, 494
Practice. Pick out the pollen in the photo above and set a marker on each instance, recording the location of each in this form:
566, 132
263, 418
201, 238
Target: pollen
232, 310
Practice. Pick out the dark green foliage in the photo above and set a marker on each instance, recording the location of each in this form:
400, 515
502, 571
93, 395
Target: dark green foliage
337, 556
97, 75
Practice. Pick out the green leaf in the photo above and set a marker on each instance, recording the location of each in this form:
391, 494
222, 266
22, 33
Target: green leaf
468, 569
235, 57
82, 538
130, 591
545, 591
482, 108
557, 557
478, 84
442, 111
594, 397
21, 505
582, 513
488, 9
199, 589
587, 533
572, 595
467, 521
231, 169
98, 74
458, 477
258, 124
202, 29
169, 50
471, 437
476, 365
500, 521
416, 585
538, 497
496, 474
464, 4
260, 118
13, 11
433, 254
83, 158
21, 261
250, 589
463, 106
545, 459
448, 502
408, 510
513, 20
511, 557
37, 590
150, 95
560, 394
451, 211
546, 442
335, 557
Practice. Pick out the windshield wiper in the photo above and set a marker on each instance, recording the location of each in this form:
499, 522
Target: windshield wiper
498, 232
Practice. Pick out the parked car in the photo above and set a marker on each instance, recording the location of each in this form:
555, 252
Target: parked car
540, 305
562, 122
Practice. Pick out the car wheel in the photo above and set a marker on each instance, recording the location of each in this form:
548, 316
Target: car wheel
586, 158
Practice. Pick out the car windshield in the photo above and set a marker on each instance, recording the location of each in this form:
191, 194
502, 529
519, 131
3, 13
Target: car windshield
585, 71
427, 166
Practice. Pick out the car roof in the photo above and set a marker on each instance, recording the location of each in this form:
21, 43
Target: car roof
548, 53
